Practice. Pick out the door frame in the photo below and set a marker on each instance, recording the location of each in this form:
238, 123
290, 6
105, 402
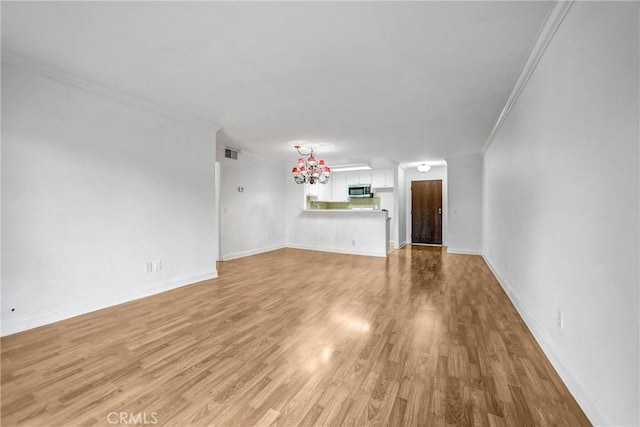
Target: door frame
436, 173
441, 213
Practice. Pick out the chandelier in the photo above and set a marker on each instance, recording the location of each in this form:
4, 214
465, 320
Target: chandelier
310, 171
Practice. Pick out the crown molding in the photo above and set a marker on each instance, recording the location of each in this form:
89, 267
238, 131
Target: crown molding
553, 20
102, 90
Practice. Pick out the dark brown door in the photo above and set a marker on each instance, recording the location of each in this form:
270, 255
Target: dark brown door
426, 212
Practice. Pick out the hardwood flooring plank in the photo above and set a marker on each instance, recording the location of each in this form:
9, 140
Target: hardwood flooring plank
422, 338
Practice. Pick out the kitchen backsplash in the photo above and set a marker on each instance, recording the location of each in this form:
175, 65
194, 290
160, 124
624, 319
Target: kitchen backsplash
369, 203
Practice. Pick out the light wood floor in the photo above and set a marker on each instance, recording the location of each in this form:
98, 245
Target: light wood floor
294, 338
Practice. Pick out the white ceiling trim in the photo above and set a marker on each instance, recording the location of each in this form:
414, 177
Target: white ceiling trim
552, 22
102, 90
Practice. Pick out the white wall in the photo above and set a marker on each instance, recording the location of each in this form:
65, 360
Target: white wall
561, 207
401, 206
294, 202
435, 173
464, 181
251, 221
388, 202
92, 188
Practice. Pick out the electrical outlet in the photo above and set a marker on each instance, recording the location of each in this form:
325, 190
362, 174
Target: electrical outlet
148, 267
353, 242
158, 265
560, 319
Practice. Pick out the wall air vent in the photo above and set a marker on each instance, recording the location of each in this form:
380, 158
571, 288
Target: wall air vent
230, 153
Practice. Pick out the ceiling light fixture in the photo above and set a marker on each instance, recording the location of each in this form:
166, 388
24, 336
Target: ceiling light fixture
424, 168
308, 171
353, 167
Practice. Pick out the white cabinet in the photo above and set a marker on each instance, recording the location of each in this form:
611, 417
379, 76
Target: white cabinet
354, 178
382, 178
340, 188
365, 177
377, 179
388, 178
341, 181
311, 190
325, 191
320, 192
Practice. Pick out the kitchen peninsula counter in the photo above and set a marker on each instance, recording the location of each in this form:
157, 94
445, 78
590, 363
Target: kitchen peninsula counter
349, 231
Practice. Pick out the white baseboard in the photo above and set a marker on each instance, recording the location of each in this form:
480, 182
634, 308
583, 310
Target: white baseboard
13, 326
242, 254
550, 350
402, 245
462, 251
381, 254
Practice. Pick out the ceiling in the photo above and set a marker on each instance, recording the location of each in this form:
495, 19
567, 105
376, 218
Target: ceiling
381, 81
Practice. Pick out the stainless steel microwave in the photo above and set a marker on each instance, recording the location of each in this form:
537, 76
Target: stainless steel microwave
360, 190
